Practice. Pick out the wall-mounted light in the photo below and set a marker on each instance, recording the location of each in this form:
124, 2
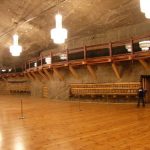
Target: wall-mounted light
9, 70
63, 56
128, 47
48, 60
3, 70
35, 64
144, 45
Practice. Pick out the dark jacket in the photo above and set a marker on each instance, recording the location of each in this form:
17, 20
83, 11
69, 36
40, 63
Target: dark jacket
141, 93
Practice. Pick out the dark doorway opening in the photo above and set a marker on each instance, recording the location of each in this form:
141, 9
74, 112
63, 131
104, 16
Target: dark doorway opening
145, 81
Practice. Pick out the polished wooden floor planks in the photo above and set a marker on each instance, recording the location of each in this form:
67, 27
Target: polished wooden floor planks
60, 125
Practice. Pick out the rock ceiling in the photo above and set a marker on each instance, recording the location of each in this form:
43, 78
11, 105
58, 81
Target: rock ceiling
32, 20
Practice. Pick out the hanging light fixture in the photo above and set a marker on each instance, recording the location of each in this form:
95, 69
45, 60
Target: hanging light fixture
59, 34
144, 45
15, 49
145, 7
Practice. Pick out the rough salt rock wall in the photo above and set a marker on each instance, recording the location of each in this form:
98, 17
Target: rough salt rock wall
130, 72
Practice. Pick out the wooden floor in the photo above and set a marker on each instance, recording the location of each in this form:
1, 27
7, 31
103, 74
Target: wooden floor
56, 125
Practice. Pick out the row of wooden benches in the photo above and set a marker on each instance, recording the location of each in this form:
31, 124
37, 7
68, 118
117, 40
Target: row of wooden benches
126, 89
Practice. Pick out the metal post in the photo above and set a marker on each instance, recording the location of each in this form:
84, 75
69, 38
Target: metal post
21, 113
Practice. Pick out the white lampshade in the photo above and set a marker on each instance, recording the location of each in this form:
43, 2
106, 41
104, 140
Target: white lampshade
144, 45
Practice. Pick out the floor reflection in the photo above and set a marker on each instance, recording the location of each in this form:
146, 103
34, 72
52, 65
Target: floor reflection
19, 145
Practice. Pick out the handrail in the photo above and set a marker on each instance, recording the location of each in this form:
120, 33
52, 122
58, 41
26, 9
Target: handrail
86, 49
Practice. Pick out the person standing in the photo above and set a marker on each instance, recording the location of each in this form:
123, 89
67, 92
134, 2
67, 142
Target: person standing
141, 96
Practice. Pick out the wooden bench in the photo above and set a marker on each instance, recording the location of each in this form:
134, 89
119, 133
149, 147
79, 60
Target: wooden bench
19, 88
113, 89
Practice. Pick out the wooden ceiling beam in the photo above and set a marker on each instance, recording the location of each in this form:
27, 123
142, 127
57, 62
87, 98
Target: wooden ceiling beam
92, 72
116, 71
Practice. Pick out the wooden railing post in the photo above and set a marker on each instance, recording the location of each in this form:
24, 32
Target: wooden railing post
51, 56
110, 49
29, 64
85, 52
132, 50
41, 61
67, 53
25, 66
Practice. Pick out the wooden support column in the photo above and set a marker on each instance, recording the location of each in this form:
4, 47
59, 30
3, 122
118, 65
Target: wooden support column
144, 64
36, 78
73, 72
116, 70
30, 76
92, 72
26, 76
5, 80
47, 73
58, 74
42, 74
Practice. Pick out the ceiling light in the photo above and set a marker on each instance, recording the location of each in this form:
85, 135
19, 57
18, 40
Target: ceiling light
145, 7
15, 49
59, 34
48, 60
128, 47
144, 45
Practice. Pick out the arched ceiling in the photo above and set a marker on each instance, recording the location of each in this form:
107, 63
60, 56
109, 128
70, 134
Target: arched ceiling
32, 20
